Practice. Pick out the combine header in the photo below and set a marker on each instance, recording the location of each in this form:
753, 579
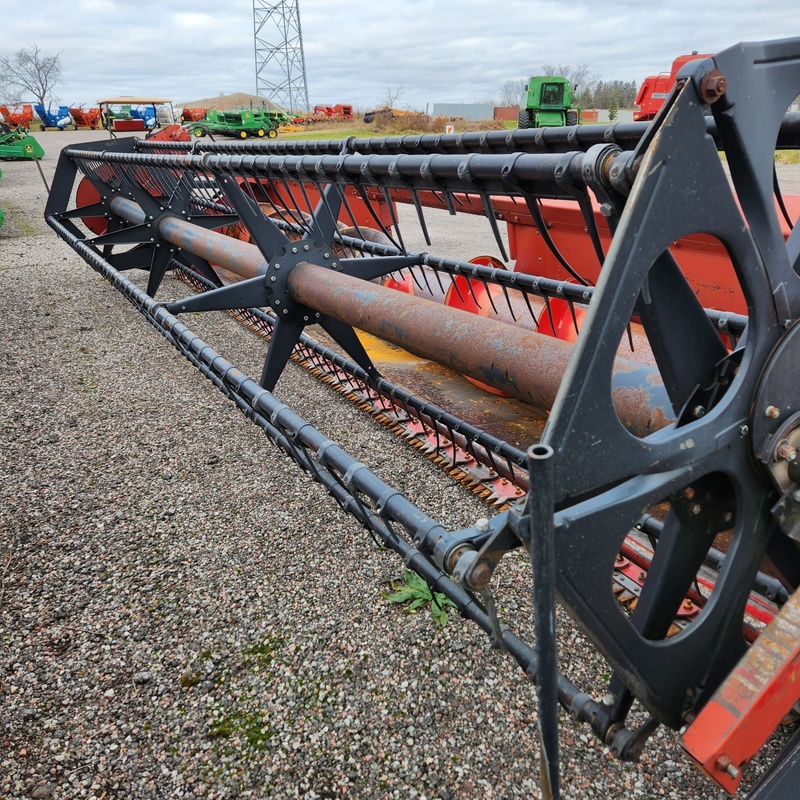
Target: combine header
17, 144
659, 496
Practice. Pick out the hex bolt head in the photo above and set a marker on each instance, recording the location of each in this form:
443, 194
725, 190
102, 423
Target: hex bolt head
483, 525
713, 86
772, 412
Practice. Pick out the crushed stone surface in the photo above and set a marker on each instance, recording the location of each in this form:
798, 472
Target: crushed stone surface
184, 613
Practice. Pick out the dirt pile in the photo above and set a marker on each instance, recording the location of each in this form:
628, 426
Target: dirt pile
229, 102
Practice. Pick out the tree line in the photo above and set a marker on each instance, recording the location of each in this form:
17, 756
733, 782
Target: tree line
589, 90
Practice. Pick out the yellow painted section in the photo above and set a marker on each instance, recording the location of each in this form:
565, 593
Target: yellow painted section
384, 352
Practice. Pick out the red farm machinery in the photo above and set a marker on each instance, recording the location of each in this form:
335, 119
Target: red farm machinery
18, 116
86, 117
645, 337
655, 89
336, 113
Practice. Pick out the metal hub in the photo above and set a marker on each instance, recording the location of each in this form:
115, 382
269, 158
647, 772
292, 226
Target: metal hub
775, 429
276, 278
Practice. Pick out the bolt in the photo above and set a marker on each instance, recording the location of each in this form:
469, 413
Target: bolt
695, 509
772, 412
785, 452
688, 605
699, 411
744, 430
688, 492
724, 765
606, 209
796, 496
294, 249
727, 516
277, 266
273, 278
713, 86
483, 525
305, 247
480, 575
608, 699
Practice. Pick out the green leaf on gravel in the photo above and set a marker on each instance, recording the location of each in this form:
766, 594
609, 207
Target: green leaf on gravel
417, 594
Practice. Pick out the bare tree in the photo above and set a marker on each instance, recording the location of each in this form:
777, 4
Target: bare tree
511, 92
29, 70
391, 97
579, 76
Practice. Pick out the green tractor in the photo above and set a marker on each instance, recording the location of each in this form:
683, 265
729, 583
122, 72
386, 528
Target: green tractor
548, 104
240, 124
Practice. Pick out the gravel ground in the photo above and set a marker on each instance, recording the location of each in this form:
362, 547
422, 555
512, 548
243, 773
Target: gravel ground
184, 614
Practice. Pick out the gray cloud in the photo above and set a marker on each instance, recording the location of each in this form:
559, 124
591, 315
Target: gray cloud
436, 50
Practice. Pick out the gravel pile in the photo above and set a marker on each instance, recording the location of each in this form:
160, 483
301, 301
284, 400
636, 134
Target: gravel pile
183, 613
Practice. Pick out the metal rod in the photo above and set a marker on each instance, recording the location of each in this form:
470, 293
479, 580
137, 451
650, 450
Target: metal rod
526, 365
541, 534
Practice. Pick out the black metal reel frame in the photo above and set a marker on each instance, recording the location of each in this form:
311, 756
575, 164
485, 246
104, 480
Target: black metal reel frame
389, 505
376, 505
603, 478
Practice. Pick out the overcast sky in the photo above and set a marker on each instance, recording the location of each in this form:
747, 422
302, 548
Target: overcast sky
356, 51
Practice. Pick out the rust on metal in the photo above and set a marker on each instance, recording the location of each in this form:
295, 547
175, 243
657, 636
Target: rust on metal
713, 86
526, 365
751, 702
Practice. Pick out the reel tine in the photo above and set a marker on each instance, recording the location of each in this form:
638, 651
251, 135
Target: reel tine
420, 216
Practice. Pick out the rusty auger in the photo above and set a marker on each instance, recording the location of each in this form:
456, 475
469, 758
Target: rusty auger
663, 495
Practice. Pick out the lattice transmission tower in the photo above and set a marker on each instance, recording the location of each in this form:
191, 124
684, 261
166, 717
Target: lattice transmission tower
280, 63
